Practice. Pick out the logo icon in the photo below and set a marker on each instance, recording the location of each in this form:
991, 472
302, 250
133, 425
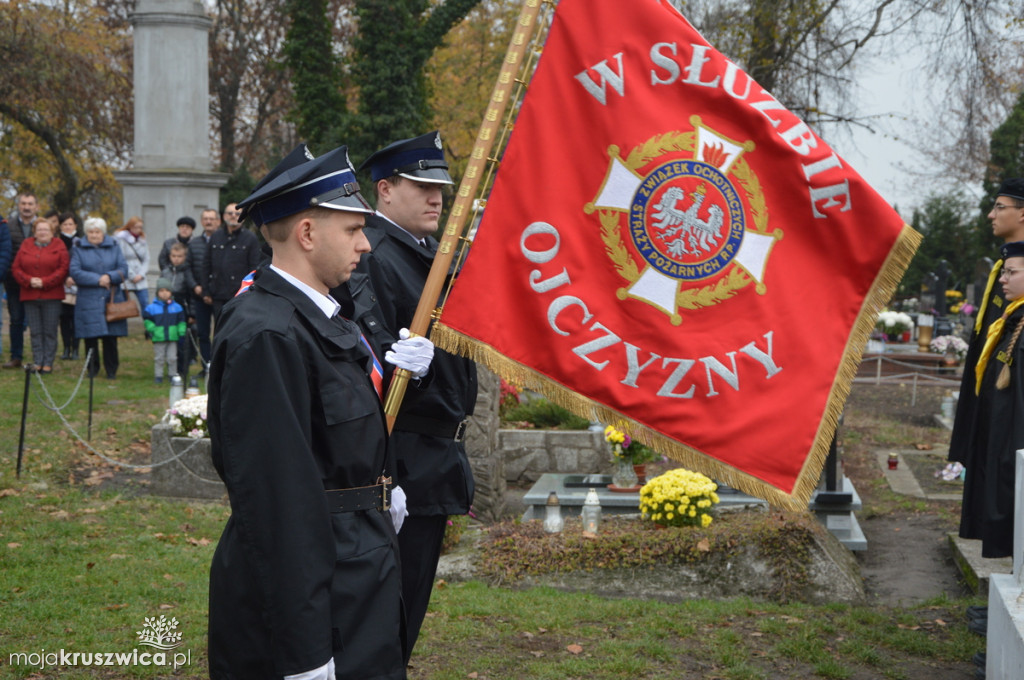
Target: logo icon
160, 633
695, 217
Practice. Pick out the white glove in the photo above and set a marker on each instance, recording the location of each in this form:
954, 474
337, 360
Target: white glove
397, 509
412, 354
325, 672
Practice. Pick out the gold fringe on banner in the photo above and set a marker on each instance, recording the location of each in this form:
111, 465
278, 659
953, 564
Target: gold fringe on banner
878, 296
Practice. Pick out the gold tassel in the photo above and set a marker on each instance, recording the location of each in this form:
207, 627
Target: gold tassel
1003, 380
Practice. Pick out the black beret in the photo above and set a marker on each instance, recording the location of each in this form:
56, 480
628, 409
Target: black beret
1012, 187
185, 220
1012, 249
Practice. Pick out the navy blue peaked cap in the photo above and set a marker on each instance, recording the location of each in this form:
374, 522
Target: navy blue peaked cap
300, 182
419, 158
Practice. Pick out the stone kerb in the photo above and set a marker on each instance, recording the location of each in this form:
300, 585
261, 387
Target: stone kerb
192, 475
531, 453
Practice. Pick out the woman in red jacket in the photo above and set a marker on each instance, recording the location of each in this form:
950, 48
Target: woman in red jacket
40, 268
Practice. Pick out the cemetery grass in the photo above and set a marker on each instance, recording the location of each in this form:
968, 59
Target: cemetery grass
87, 555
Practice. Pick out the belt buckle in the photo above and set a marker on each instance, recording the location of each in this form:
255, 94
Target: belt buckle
460, 431
384, 481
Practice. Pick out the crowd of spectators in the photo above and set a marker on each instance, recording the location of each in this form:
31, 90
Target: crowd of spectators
59, 273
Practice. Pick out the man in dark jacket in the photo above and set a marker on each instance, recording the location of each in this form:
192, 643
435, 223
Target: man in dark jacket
185, 226
433, 469
305, 579
209, 219
19, 226
233, 252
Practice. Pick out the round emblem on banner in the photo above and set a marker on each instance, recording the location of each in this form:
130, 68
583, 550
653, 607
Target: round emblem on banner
694, 217
686, 220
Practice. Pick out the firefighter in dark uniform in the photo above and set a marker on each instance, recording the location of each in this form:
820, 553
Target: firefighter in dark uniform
432, 466
305, 581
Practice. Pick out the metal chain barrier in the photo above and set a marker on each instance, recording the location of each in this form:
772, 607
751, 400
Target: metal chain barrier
49, 404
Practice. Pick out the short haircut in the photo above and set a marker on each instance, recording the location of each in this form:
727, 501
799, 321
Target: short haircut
278, 230
178, 247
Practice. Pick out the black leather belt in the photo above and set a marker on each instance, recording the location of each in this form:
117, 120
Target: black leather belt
374, 497
429, 426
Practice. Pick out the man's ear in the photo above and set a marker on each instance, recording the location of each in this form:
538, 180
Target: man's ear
303, 232
384, 188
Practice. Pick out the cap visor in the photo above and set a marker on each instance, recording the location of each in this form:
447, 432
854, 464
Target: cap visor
429, 175
352, 203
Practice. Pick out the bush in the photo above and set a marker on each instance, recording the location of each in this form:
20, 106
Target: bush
542, 414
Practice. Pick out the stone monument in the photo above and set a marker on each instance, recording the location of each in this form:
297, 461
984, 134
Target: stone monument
171, 172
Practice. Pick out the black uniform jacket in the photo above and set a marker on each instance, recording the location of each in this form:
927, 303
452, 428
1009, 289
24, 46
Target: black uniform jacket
433, 469
987, 510
293, 412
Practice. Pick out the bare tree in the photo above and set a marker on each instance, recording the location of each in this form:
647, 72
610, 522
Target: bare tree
806, 54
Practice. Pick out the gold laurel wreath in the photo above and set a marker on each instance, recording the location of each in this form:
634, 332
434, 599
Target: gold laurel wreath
626, 265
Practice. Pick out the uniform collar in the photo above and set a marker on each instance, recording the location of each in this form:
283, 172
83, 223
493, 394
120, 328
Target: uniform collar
412, 239
324, 303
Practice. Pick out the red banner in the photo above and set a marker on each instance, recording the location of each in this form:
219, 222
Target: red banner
667, 248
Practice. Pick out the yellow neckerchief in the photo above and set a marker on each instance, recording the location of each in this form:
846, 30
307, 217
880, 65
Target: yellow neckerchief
993, 276
995, 331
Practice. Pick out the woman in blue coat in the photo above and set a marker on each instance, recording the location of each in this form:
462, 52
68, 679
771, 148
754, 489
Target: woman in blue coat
97, 266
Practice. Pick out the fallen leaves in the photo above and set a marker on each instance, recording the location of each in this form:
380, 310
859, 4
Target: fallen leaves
574, 649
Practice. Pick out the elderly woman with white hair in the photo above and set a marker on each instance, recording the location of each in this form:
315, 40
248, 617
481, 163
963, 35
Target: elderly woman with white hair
98, 267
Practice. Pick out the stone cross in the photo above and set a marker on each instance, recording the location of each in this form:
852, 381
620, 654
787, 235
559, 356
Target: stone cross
941, 281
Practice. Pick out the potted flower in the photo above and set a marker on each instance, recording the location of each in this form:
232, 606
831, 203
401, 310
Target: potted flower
187, 418
954, 349
895, 325
629, 456
679, 498
181, 452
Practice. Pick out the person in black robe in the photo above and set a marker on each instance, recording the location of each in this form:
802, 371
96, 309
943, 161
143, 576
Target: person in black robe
1007, 218
988, 510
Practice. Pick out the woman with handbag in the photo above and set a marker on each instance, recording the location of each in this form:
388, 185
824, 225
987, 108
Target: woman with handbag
70, 233
40, 268
133, 244
98, 268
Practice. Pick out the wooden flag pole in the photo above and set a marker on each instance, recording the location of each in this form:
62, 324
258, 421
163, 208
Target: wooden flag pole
462, 207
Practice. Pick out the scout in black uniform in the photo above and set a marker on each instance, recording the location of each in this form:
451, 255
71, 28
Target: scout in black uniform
305, 579
988, 511
432, 466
